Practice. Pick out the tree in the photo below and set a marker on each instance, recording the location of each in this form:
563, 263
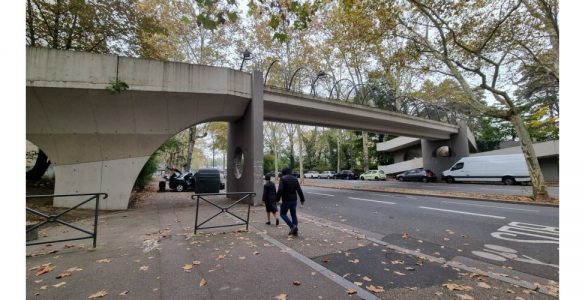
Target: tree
476, 44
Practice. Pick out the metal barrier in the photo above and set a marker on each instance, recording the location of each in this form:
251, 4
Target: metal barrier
55, 218
222, 209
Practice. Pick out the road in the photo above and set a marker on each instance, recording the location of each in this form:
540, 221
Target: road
522, 238
499, 189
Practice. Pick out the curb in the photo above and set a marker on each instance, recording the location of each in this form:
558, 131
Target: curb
440, 195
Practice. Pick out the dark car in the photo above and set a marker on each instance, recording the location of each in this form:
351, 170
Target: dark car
419, 174
182, 182
346, 174
296, 174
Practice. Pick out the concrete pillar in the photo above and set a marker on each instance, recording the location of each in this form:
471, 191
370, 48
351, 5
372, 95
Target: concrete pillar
114, 177
458, 145
245, 145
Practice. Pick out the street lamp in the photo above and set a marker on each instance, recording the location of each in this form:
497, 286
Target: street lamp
319, 75
247, 55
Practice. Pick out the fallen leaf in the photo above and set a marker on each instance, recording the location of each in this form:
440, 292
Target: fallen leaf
484, 285
355, 261
98, 295
375, 289
220, 257
44, 287
350, 291
366, 278
357, 283
196, 262
124, 293
405, 236
518, 298
296, 282
38, 281
59, 284
64, 274
398, 273
188, 268
144, 268
465, 297
280, 297
409, 268
256, 253
46, 268
457, 287
242, 257
74, 269
509, 291
68, 246
438, 293
325, 259
202, 282
105, 260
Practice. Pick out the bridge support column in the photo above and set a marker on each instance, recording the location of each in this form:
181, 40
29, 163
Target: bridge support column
245, 146
115, 177
458, 147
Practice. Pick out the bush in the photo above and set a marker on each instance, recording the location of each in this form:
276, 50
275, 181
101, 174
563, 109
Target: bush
146, 173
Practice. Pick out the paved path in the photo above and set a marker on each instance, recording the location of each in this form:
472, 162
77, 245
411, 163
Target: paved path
150, 253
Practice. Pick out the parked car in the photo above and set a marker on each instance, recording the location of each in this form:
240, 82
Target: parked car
373, 175
182, 182
311, 174
419, 174
346, 174
327, 175
295, 174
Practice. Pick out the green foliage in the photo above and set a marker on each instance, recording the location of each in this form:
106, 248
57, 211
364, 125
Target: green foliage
146, 173
117, 86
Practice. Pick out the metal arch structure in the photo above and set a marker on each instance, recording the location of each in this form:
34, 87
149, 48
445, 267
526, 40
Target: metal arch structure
293, 76
336, 83
268, 70
355, 87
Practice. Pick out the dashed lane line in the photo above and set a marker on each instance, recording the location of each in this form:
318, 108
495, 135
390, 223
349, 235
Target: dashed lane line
328, 195
462, 212
501, 207
370, 200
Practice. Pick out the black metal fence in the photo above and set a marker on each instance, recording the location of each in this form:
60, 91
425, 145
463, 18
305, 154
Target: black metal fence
50, 218
242, 196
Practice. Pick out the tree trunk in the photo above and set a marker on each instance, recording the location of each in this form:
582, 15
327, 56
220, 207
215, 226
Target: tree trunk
301, 177
40, 167
366, 151
539, 189
338, 150
190, 144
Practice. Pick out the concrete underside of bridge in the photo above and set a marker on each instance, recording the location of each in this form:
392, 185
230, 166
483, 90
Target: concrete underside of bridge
99, 141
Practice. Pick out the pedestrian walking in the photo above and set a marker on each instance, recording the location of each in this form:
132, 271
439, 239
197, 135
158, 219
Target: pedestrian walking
269, 198
287, 189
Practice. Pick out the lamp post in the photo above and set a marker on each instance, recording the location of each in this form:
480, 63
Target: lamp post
319, 75
247, 55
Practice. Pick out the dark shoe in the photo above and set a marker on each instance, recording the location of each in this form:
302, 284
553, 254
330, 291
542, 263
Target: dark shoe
295, 230
277, 222
268, 223
291, 231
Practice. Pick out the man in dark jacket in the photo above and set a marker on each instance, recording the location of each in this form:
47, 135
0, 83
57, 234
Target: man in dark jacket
287, 189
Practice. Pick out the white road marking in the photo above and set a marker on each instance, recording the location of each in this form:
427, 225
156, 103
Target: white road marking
462, 212
319, 194
491, 206
410, 197
370, 200
492, 189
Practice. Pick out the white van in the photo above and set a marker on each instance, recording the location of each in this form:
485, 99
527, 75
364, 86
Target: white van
508, 169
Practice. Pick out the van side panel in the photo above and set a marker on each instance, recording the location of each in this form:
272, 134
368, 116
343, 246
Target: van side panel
491, 168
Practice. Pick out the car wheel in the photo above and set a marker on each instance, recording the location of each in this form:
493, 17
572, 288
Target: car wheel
401, 178
425, 180
450, 180
180, 188
508, 180
362, 178
376, 178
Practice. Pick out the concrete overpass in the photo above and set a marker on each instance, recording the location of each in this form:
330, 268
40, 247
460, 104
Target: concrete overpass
99, 141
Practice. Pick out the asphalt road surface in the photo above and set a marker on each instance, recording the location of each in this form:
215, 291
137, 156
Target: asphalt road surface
494, 188
522, 238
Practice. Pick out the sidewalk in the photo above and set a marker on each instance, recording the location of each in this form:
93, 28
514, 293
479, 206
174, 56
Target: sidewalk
150, 253
517, 199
